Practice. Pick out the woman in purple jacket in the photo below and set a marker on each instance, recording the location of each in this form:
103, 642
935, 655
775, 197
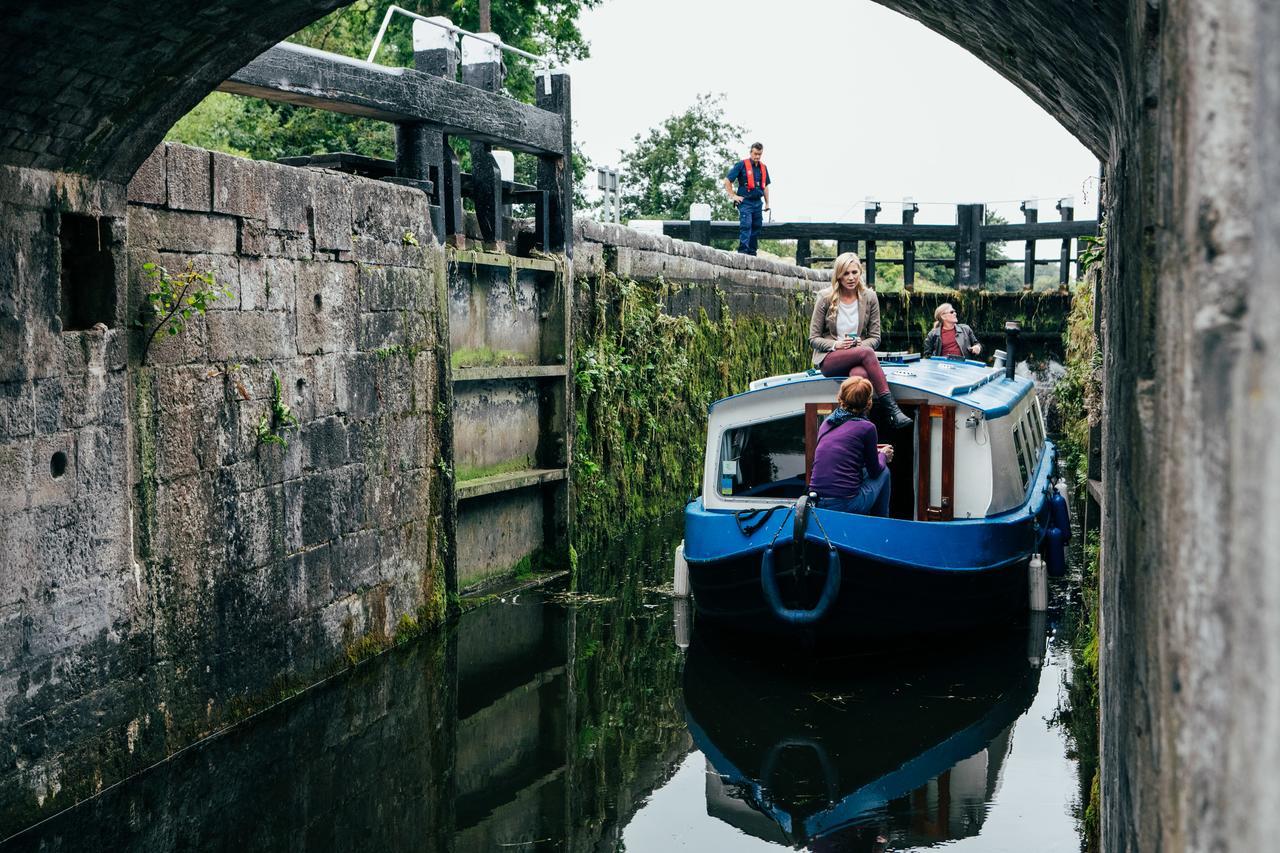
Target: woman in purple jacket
850, 472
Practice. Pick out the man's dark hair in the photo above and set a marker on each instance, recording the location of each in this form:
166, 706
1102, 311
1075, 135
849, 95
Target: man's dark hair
757, 146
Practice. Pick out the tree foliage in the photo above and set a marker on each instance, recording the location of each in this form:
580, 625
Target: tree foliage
680, 162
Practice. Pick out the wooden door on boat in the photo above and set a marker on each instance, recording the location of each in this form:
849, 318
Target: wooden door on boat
814, 414
935, 480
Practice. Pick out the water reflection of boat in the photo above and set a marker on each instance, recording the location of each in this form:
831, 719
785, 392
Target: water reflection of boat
911, 749
971, 501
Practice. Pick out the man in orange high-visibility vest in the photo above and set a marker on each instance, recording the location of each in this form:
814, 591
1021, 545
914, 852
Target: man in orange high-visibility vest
752, 186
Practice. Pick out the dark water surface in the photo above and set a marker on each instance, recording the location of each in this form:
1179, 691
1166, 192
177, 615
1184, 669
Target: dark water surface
576, 722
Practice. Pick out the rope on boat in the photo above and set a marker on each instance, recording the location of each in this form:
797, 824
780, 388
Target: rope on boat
752, 526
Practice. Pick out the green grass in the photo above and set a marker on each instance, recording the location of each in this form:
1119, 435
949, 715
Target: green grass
475, 472
485, 357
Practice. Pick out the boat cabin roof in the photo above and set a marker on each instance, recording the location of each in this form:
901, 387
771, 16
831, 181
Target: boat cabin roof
968, 383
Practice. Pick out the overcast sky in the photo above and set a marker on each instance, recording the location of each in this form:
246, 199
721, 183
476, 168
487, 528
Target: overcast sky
850, 99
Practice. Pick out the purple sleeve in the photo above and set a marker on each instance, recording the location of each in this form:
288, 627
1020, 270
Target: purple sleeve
875, 461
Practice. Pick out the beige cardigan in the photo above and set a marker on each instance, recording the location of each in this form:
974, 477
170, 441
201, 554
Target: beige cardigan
822, 330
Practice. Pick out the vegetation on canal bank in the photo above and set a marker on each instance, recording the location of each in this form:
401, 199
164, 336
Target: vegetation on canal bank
644, 379
1079, 402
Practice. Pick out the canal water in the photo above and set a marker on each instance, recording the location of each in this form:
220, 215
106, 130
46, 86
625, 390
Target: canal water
598, 720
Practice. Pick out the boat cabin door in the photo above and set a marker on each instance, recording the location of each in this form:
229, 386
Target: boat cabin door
935, 461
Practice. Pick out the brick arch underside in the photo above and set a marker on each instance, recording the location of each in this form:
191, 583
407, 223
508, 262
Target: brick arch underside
91, 88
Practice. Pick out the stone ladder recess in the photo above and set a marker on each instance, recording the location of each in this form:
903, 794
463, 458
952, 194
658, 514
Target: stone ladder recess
509, 344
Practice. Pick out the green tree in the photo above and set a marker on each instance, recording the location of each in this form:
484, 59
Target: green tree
680, 162
265, 130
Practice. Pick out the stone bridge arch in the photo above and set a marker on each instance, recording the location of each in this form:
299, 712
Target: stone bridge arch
1181, 100
92, 88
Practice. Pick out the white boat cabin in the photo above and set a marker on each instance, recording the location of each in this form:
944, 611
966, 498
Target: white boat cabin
973, 451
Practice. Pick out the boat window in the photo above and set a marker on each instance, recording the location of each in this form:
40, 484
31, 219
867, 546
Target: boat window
1038, 417
764, 459
1029, 432
1020, 449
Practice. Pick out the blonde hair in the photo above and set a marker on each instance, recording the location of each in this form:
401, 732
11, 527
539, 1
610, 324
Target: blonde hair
939, 311
855, 395
843, 263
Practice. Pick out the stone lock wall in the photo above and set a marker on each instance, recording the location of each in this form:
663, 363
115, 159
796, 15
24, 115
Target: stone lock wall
173, 551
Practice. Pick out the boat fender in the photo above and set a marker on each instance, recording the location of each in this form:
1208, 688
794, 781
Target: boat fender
769, 584
680, 581
1037, 584
1055, 552
1059, 514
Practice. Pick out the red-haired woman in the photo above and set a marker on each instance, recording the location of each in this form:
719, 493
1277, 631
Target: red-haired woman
850, 471
845, 331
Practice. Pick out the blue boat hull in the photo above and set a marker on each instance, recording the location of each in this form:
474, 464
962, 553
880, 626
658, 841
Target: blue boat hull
898, 578
876, 600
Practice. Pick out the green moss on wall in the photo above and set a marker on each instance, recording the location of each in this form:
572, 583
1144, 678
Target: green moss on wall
643, 381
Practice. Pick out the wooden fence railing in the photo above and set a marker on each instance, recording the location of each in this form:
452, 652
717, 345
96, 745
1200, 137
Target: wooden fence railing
428, 105
970, 235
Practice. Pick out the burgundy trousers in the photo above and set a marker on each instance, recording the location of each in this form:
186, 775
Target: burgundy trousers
856, 361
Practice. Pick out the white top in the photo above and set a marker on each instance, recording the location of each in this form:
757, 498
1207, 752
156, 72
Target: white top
846, 319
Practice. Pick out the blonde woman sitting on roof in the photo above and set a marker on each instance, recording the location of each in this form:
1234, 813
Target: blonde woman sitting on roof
844, 333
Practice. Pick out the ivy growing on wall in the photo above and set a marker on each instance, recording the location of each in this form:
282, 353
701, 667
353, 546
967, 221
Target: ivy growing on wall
644, 379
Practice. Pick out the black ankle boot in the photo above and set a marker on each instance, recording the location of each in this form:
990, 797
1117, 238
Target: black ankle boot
896, 418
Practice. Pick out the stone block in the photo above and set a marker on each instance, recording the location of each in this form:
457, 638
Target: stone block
331, 211
94, 351
225, 269
185, 526
355, 394
324, 444
257, 240
322, 388
48, 395
53, 473
391, 224
187, 347
316, 508
380, 330
239, 186
349, 507
311, 581
179, 231
237, 336
356, 555
188, 177
326, 307
394, 378
289, 192
190, 410
15, 476
252, 526
392, 288
17, 411
148, 183
267, 284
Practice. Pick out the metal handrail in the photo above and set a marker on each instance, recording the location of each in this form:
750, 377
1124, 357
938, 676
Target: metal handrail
492, 38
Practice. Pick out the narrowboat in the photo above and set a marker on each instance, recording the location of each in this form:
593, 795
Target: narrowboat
972, 500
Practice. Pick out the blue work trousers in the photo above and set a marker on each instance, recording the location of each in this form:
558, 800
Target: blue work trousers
750, 218
872, 498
